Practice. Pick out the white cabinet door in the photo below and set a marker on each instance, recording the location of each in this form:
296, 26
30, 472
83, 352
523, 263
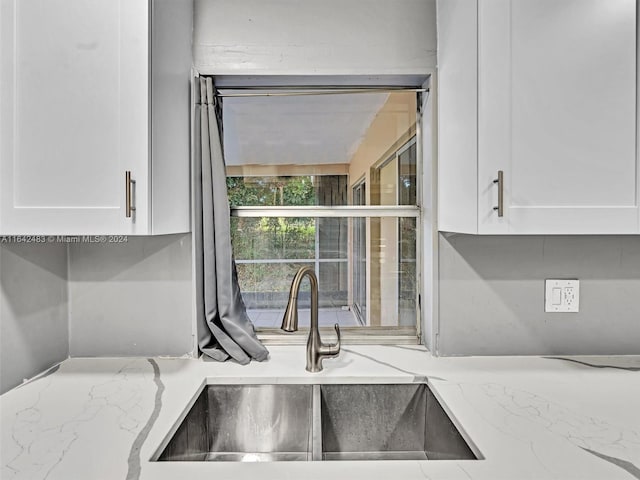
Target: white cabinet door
557, 113
74, 115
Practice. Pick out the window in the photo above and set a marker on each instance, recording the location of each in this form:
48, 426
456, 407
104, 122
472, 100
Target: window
329, 181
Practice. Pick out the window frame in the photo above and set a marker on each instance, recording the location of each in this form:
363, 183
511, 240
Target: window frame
381, 335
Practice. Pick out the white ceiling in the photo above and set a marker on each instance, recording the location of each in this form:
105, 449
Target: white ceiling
309, 129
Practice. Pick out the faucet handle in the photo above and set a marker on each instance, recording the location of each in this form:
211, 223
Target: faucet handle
337, 344
331, 350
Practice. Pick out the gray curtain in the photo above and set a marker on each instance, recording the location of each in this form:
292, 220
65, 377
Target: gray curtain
224, 328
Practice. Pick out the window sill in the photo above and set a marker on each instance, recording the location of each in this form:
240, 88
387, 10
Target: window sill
349, 336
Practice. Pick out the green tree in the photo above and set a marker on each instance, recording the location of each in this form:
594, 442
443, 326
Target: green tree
264, 238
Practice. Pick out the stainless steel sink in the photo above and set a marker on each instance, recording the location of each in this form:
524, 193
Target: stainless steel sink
361, 421
245, 423
387, 422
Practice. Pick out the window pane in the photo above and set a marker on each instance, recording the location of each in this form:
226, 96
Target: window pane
333, 282
407, 176
359, 257
380, 256
391, 276
273, 238
407, 272
394, 181
305, 190
332, 237
265, 289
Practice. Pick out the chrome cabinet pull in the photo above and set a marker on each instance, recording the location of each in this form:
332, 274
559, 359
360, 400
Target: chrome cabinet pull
500, 182
129, 193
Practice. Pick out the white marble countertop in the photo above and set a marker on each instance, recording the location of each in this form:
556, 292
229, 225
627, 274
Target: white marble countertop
530, 417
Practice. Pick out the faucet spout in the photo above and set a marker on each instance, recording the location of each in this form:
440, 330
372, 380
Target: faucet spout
316, 349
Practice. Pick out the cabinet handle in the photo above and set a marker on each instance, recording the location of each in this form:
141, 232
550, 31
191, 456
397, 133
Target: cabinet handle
129, 192
500, 182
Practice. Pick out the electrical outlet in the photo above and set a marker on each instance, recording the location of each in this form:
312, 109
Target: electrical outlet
562, 296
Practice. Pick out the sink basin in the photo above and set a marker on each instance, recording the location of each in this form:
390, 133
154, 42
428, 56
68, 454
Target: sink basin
245, 423
287, 422
388, 422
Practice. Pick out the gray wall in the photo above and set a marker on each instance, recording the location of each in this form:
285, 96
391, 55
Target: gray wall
136, 298
34, 332
491, 299
132, 298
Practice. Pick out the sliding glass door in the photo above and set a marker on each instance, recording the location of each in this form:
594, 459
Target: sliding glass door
360, 257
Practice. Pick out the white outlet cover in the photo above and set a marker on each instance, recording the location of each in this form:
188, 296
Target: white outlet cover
562, 296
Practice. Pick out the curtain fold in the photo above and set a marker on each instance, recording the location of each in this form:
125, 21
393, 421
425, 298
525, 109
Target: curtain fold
224, 329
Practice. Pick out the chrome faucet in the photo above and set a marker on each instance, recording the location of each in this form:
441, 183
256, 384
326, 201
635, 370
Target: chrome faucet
316, 350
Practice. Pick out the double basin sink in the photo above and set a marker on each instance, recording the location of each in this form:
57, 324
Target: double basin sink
312, 422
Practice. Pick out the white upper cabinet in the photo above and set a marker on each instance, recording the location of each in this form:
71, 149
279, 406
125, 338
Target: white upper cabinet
88, 94
544, 91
